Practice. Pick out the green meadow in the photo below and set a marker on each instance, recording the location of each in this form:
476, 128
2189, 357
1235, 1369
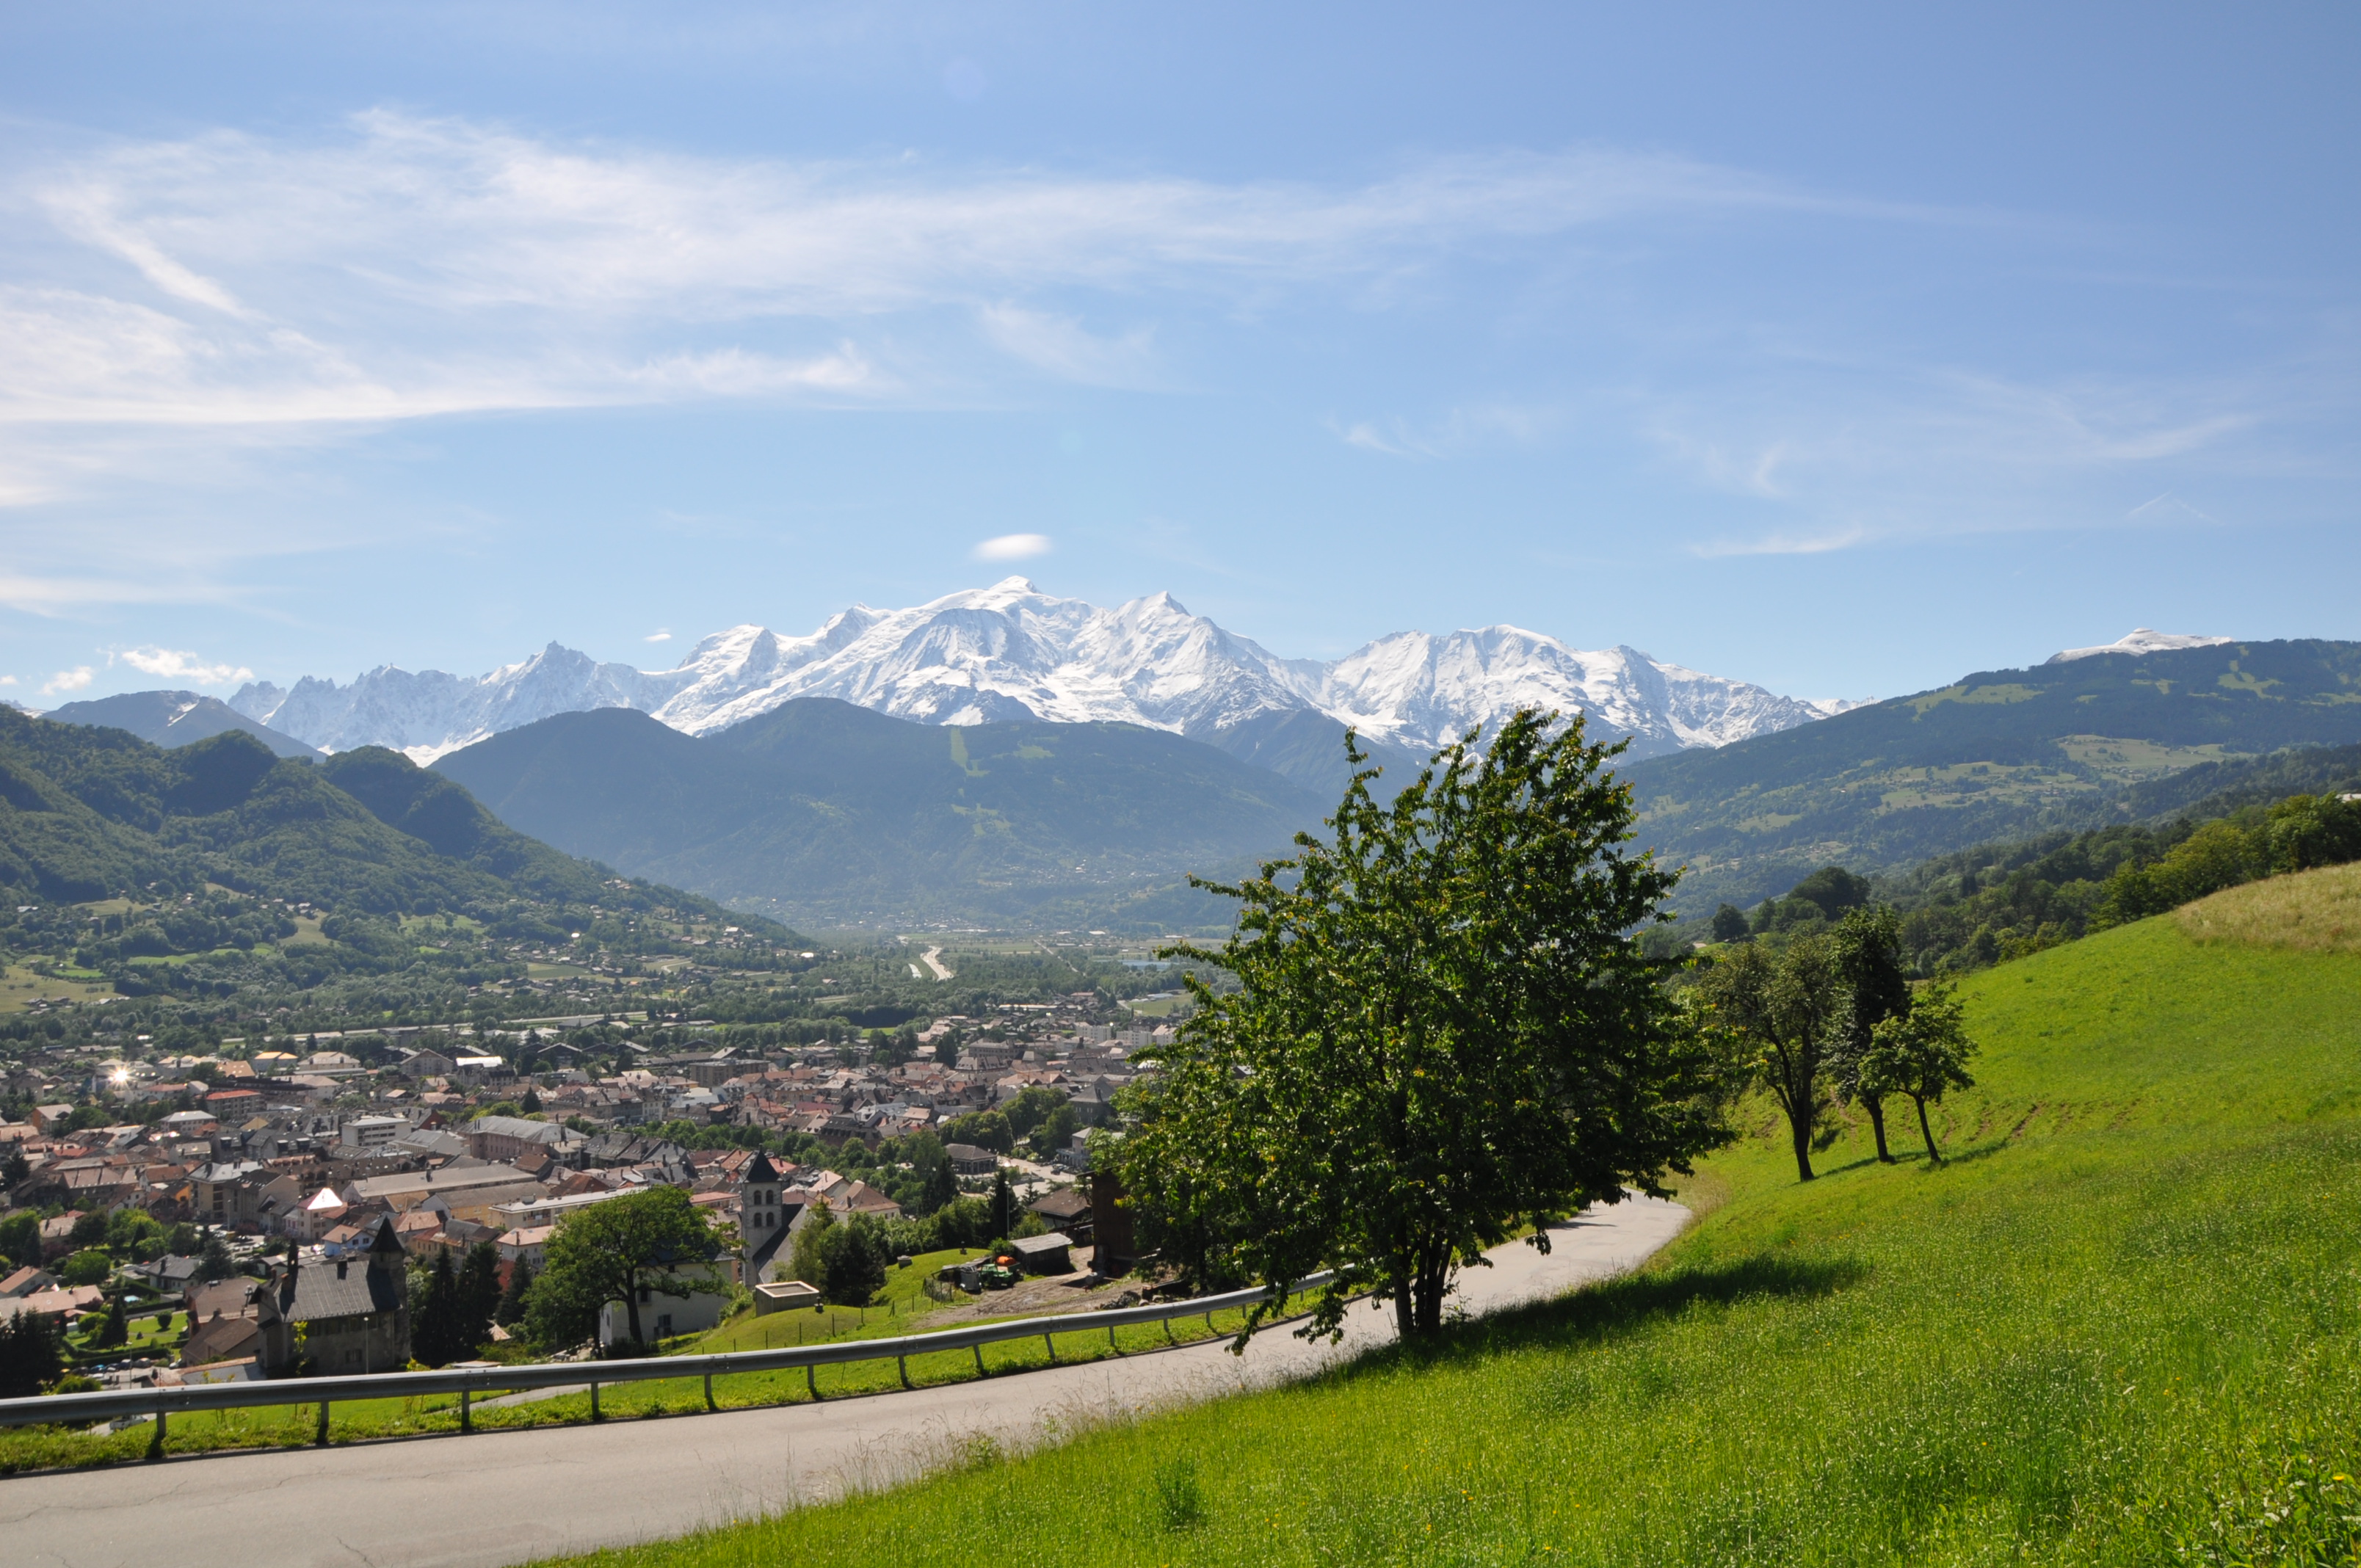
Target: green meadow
2117, 1326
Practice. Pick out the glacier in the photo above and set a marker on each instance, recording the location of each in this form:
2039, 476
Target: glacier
1013, 652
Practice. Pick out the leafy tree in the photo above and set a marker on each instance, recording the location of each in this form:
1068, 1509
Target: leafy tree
941, 1189
13, 1167
116, 1327
1003, 1206
610, 1252
30, 1356
480, 1292
89, 1231
1729, 923
1923, 1053
985, 1129
1783, 1009
20, 1238
437, 1334
214, 1261
511, 1308
807, 1260
1868, 947
857, 1259
1059, 1126
1442, 1032
1033, 1105
90, 1266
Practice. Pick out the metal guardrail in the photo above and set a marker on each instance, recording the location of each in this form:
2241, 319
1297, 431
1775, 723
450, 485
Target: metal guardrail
470, 1381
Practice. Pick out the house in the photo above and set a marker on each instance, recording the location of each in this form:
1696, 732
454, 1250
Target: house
662, 1317
1052, 1254
967, 1160
26, 1281
63, 1301
529, 1246
1066, 1209
353, 1315
316, 1218
52, 1119
238, 1318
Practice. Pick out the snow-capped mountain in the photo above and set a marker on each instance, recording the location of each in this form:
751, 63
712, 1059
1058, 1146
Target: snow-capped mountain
1011, 652
2142, 641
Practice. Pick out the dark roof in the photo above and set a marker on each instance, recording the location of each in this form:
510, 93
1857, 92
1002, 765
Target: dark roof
363, 1290
760, 1169
1026, 1247
1064, 1204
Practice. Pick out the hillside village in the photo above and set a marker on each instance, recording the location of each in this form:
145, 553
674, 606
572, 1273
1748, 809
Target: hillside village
188, 1218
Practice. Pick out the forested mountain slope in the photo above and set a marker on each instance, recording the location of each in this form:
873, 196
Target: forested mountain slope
124, 852
828, 811
1997, 755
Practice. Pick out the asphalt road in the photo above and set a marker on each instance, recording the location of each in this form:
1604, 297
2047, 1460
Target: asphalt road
500, 1497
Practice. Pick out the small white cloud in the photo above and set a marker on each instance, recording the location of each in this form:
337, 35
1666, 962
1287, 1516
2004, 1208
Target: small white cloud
72, 680
1013, 547
178, 664
1784, 543
657, 637
8, 680
1063, 346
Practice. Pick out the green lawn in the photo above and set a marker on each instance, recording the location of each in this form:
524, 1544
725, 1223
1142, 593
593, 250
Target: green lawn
2119, 1326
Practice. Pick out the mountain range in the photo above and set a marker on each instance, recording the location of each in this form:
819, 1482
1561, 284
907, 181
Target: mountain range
1010, 653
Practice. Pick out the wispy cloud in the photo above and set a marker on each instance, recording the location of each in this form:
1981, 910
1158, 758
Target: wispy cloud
408, 265
1805, 543
72, 680
1012, 547
657, 637
178, 664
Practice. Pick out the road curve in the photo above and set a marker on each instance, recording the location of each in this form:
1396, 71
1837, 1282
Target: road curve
501, 1497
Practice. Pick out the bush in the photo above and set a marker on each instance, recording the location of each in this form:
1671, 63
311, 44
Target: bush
91, 1266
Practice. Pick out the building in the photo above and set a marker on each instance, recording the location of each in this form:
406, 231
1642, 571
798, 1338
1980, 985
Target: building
352, 1315
504, 1138
967, 1160
764, 1222
1052, 1254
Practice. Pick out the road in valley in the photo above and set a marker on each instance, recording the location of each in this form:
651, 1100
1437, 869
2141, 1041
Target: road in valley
501, 1497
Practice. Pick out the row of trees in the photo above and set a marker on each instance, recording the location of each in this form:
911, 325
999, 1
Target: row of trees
1834, 1016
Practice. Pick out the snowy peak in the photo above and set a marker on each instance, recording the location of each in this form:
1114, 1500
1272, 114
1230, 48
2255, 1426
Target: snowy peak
1010, 651
2143, 641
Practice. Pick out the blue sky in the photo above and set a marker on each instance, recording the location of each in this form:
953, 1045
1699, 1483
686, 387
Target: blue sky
1842, 349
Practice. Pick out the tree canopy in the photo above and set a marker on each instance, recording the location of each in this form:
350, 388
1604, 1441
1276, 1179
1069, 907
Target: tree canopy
609, 1252
1442, 1033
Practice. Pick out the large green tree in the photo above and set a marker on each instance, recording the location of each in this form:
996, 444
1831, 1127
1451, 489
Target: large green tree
1923, 1053
1443, 1033
1868, 947
610, 1252
1783, 1009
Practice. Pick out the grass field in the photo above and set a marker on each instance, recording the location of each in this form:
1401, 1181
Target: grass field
2117, 1326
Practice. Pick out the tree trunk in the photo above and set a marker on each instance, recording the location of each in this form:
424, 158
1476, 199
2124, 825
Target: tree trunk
1801, 1127
1877, 1124
631, 1309
1925, 1132
1405, 1312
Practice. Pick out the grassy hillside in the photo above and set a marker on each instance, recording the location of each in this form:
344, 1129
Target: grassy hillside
1996, 755
2117, 1326
825, 811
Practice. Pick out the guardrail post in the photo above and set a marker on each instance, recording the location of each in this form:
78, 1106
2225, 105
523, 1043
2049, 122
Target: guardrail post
1111, 1344
321, 1439
594, 1404
902, 1364
1167, 1332
467, 1416
1052, 1346
979, 1371
708, 1393
156, 1443
811, 1382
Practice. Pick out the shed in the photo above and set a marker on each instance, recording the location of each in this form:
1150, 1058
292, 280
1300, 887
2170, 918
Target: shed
1052, 1254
